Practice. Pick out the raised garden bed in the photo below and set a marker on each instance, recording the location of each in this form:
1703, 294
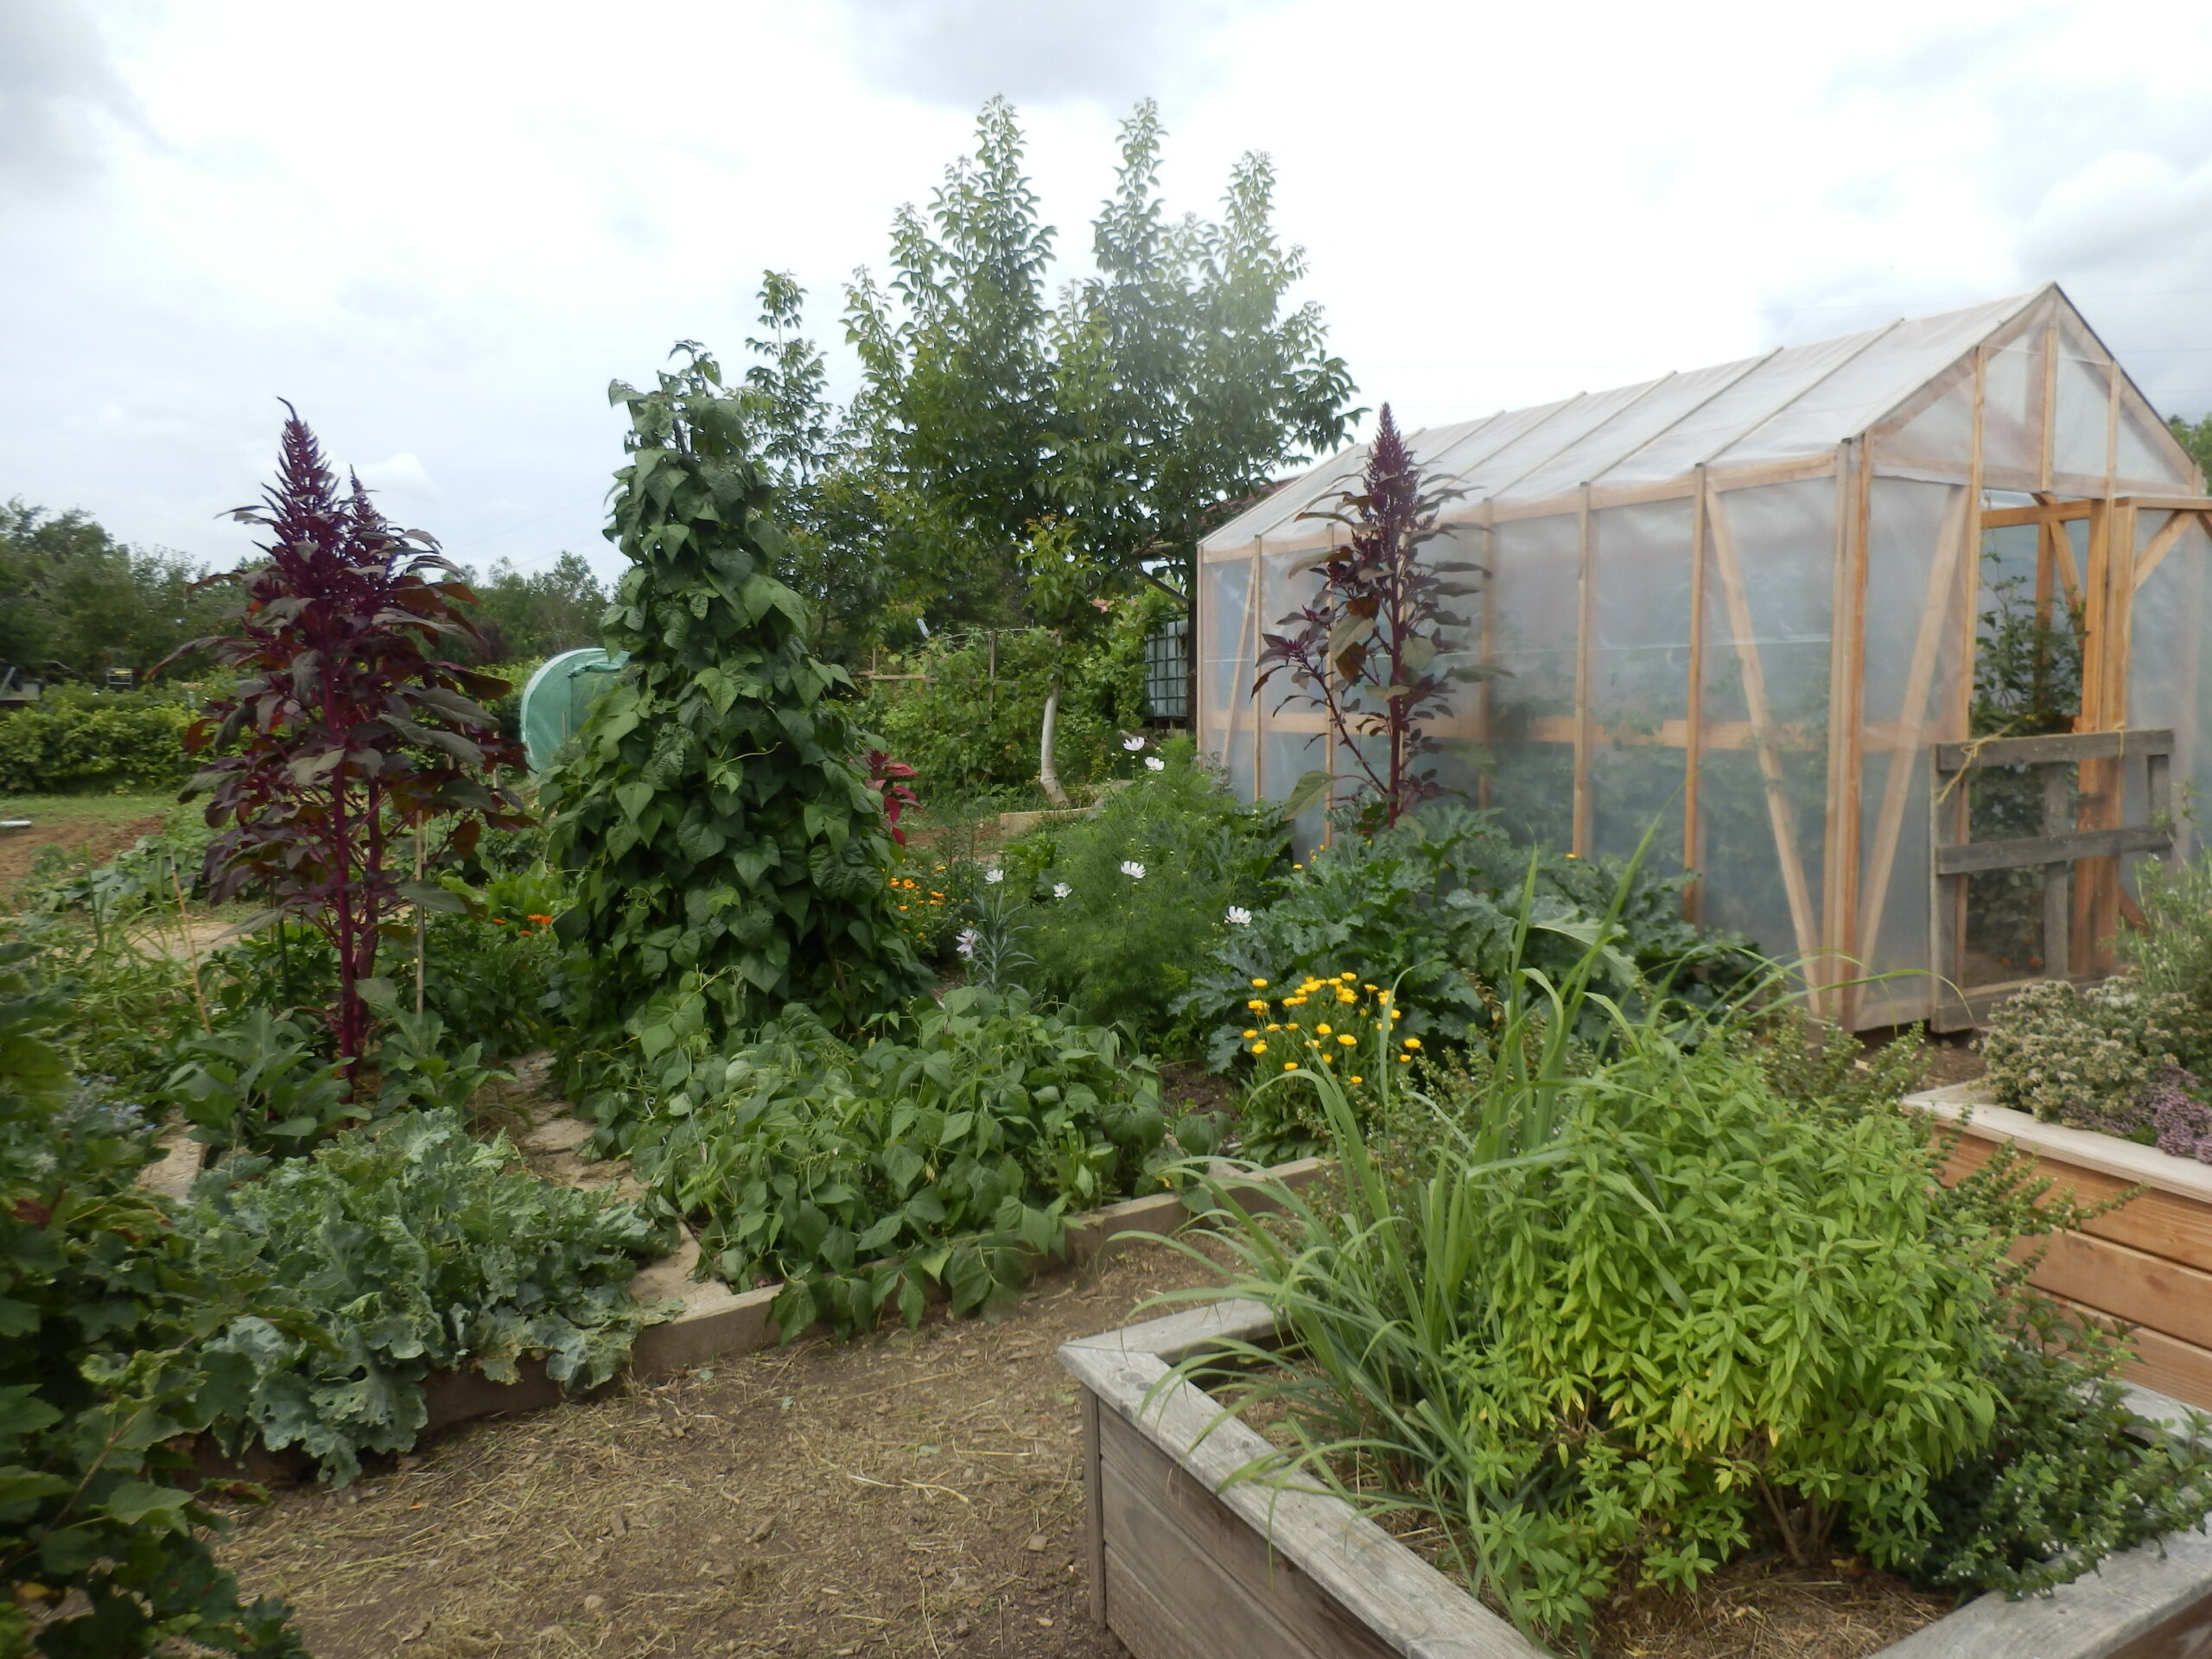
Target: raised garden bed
1184, 1566
2148, 1262
712, 1322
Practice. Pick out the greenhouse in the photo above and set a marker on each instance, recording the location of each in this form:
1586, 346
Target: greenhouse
1750, 610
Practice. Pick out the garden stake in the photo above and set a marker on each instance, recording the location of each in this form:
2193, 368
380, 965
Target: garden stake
191, 950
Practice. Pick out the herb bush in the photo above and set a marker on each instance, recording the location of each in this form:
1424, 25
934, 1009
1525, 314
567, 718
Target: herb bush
105, 1317
2096, 1056
1621, 1315
1433, 908
715, 818
939, 1156
73, 739
2171, 952
1122, 948
405, 1248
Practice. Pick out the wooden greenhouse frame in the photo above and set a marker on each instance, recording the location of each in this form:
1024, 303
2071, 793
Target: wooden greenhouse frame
1740, 607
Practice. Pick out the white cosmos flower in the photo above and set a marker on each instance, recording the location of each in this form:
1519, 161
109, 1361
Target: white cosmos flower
965, 943
1133, 744
994, 876
1134, 870
1239, 916
1060, 889
1154, 763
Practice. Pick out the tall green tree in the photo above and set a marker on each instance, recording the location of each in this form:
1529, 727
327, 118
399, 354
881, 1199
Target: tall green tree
75, 602
537, 613
2197, 439
714, 816
1008, 460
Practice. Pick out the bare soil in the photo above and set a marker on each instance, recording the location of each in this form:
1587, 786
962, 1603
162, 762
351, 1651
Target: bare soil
906, 1493
99, 839
1769, 1610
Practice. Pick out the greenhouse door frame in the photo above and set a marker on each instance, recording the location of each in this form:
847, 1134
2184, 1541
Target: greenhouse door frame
2084, 898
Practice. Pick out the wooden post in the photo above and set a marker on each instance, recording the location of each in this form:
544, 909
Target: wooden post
1693, 710
1094, 1510
2057, 902
1766, 740
1489, 597
2050, 397
1252, 667
1585, 618
1846, 716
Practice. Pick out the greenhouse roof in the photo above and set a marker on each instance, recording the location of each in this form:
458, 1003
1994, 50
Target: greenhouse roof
1791, 402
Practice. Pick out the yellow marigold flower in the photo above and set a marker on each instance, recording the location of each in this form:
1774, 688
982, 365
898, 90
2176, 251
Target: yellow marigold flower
1346, 996
1367, 988
1274, 1027
1259, 984
1290, 1065
1403, 1059
1396, 1015
1413, 1042
1259, 1048
1250, 1035
1323, 1029
1347, 975
1347, 1040
1328, 1059
1355, 1079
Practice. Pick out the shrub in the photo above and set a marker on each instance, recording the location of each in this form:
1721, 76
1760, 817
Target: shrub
971, 723
1124, 948
70, 740
2172, 953
2088, 1056
1436, 909
936, 1157
259, 1084
715, 818
106, 1315
1625, 1315
405, 1248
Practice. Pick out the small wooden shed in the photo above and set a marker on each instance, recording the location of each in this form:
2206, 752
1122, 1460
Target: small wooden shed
1746, 604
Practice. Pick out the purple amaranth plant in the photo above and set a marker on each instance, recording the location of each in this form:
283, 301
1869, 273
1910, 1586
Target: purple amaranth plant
347, 729
1365, 649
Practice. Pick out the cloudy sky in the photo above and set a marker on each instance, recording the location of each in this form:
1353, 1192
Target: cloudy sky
442, 228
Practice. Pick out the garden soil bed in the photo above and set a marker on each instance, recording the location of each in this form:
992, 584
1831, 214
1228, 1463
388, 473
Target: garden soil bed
901, 1494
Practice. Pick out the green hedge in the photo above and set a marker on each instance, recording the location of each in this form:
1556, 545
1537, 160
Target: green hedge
72, 740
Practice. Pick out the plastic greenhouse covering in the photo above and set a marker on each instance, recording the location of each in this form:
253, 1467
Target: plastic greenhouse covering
1746, 609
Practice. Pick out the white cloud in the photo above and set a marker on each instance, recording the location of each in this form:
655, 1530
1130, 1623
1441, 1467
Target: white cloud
403, 478
442, 234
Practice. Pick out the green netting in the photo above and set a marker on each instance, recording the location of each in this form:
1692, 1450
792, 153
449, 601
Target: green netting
558, 697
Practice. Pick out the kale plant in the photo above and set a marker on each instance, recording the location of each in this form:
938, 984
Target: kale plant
405, 1248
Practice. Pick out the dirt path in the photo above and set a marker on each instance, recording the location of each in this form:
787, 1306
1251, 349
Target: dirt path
101, 839
908, 1494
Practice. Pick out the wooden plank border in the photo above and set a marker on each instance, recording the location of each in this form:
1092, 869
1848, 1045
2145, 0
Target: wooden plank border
2152, 1602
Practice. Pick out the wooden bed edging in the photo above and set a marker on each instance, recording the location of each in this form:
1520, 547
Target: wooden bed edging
1184, 1567
2147, 1264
